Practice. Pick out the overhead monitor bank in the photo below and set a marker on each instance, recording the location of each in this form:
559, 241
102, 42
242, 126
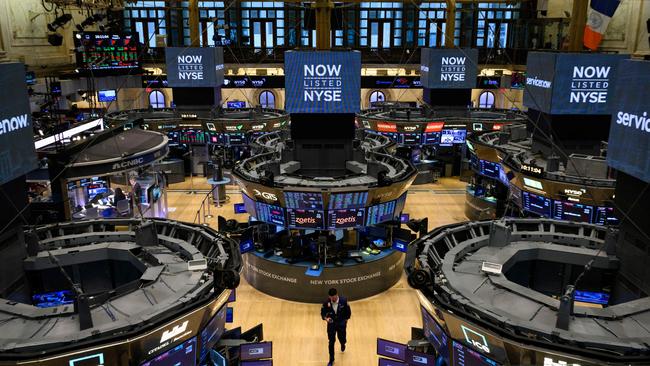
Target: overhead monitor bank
17, 155
629, 136
322, 81
570, 83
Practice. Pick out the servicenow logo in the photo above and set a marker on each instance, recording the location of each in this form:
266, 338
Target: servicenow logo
640, 122
534, 81
12, 124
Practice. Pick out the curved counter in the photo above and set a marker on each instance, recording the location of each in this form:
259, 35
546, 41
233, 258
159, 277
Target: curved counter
355, 281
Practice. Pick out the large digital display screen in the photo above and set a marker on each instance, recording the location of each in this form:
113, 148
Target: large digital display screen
391, 349
629, 135
605, 216
571, 211
414, 358
341, 219
341, 201
183, 354
380, 213
464, 356
304, 200
17, 155
412, 139
306, 219
107, 96
212, 332
450, 137
269, 213
435, 334
448, 68
571, 83
194, 66
489, 168
537, 204
107, 51
256, 351
322, 81
431, 138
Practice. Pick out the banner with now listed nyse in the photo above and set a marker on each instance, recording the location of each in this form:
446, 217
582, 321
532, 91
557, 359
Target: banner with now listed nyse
322, 81
194, 67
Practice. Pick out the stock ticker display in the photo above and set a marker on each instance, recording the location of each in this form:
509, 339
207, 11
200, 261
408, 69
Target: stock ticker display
304, 200
107, 51
342, 219
341, 201
306, 219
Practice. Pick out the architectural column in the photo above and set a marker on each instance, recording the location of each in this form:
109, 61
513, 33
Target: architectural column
577, 26
194, 23
323, 23
450, 23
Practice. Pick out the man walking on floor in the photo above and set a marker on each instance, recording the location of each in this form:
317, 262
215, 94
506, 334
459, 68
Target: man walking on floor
336, 312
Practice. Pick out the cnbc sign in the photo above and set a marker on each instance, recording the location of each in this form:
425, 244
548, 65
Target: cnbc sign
448, 68
323, 81
194, 67
628, 149
570, 83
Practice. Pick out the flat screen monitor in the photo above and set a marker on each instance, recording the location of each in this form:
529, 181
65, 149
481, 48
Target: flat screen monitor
517, 80
387, 362
305, 219
270, 213
92, 192
55, 88
174, 137
255, 334
236, 139
256, 351
240, 208
216, 138
342, 201
537, 204
192, 137
235, 104
451, 137
400, 244
230, 315
246, 245
489, 169
107, 96
503, 176
304, 200
381, 213
233, 295
249, 204
30, 78
392, 135
53, 299
412, 139
212, 332
432, 138
434, 333
342, 219
464, 356
107, 51
214, 359
414, 358
591, 297
257, 363
399, 206
404, 218
183, 354
571, 211
391, 349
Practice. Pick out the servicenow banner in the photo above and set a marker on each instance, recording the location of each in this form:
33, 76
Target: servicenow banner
629, 135
17, 155
570, 83
197, 67
322, 81
448, 68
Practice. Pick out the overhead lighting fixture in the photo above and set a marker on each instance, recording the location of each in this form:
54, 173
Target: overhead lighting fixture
91, 20
59, 22
55, 39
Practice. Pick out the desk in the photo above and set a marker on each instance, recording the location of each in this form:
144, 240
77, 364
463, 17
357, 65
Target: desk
218, 190
103, 211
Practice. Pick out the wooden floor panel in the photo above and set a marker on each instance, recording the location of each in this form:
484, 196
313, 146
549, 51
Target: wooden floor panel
298, 334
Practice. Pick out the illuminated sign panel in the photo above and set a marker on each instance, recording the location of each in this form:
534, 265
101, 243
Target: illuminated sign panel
448, 68
194, 66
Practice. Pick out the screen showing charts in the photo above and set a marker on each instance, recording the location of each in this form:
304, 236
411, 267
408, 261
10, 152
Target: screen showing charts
212, 332
605, 216
412, 139
192, 137
435, 334
391, 349
381, 212
256, 351
450, 137
107, 95
414, 358
269, 213
183, 354
105, 51
304, 200
236, 139
571, 211
536, 204
489, 168
432, 138
341, 219
464, 356
341, 201
307, 219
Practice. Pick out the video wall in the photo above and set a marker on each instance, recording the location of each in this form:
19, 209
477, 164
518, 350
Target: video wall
198, 137
306, 210
107, 51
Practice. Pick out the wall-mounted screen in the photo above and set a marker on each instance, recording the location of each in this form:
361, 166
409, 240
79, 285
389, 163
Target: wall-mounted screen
537, 204
391, 349
256, 351
212, 332
341, 219
306, 219
571, 211
380, 213
107, 96
183, 354
341, 201
304, 200
464, 356
269, 213
107, 51
451, 137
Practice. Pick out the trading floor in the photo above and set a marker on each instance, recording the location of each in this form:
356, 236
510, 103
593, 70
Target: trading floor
296, 329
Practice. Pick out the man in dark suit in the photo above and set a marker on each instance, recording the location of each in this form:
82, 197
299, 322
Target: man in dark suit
336, 312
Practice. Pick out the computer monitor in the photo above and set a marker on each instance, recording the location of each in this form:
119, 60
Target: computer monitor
246, 245
591, 297
256, 351
212, 332
404, 218
183, 354
233, 295
391, 349
93, 192
255, 334
234, 333
230, 313
387, 362
240, 208
106, 96
257, 363
52, 299
414, 358
214, 359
